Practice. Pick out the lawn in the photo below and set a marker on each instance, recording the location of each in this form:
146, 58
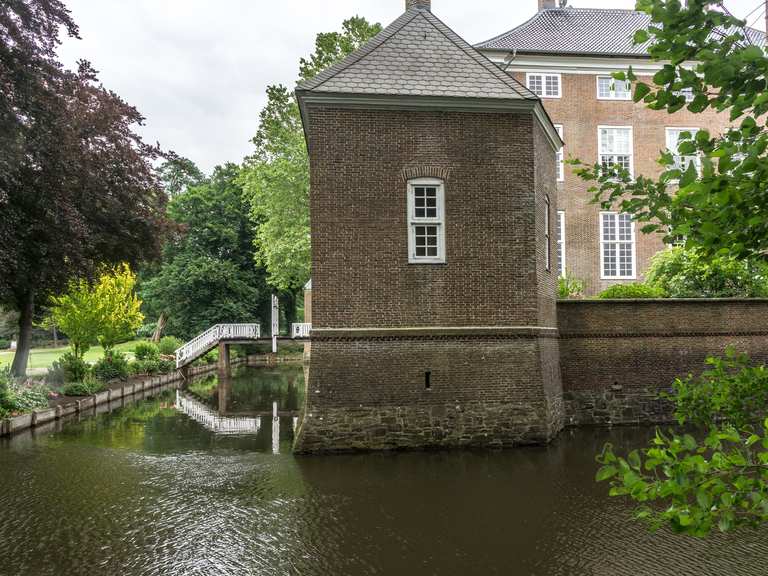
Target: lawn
40, 358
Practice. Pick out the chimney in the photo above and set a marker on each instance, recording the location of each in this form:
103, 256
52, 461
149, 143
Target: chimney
420, 4
547, 4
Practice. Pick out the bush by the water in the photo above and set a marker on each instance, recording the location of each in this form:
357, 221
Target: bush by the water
4, 344
146, 351
685, 273
169, 344
151, 366
20, 397
634, 291
87, 387
74, 368
114, 365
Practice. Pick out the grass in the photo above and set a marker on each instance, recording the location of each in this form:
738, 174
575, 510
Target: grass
40, 358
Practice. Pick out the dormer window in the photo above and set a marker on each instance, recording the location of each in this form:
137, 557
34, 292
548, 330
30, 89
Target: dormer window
610, 89
426, 221
543, 84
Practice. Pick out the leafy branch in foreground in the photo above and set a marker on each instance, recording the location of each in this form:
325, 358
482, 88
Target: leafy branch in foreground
694, 486
714, 192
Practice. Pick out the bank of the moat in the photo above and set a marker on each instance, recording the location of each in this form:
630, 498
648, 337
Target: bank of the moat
146, 490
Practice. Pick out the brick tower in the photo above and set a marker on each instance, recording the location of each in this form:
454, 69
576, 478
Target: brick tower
433, 205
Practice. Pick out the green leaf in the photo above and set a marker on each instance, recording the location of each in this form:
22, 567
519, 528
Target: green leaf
640, 37
606, 472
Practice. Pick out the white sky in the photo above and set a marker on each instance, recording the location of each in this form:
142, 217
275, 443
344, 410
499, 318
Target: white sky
198, 69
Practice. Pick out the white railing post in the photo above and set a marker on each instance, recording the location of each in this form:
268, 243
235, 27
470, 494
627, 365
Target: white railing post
300, 330
275, 322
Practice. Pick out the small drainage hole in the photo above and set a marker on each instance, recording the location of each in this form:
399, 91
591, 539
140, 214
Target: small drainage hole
427, 380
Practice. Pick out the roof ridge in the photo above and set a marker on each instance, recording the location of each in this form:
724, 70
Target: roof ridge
357, 55
478, 57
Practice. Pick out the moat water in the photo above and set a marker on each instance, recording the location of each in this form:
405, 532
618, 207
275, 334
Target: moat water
148, 490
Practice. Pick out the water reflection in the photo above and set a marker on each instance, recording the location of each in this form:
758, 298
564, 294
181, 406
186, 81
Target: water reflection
148, 490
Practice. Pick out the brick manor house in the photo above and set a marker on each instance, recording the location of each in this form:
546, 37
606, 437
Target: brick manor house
438, 206
566, 57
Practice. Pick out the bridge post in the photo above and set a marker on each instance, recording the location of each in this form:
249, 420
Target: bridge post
225, 369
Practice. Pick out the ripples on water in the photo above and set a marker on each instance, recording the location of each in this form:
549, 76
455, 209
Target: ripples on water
147, 491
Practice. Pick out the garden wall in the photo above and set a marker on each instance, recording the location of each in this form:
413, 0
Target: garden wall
616, 356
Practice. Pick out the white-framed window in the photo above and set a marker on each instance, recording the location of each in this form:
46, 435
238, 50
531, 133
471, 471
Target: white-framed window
610, 89
561, 242
426, 221
685, 92
547, 243
544, 84
615, 147
560, 155
617, 246
673, 139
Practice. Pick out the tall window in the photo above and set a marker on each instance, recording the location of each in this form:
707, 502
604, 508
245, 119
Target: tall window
544, 85
561, 242
673, 139
610, 89
547, 245
560, 155
617, 246
426, 221
615, 146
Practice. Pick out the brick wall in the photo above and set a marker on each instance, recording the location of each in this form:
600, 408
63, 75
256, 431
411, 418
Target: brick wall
617, 356
580, 113
482, 324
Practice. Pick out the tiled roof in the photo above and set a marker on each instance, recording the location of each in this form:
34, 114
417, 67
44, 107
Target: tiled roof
593, 31
418, 55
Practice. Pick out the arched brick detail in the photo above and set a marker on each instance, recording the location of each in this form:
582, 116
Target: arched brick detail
426, 171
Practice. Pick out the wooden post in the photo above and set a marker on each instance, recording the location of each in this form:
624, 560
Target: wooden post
224, 367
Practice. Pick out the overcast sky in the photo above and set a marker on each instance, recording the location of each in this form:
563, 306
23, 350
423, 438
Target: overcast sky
197, 69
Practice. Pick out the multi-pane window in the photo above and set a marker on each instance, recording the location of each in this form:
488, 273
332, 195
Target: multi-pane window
426, 221
544, 85
673, 139
617, 245
610, 89
547, 244
560, 156
561, 242
615, 146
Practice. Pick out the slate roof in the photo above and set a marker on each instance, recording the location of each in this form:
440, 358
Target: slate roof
584, 31
418, 55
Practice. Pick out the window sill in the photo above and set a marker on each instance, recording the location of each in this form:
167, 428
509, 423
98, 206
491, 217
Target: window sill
426, 261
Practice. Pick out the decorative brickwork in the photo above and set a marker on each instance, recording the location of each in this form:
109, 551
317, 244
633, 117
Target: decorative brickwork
616, 357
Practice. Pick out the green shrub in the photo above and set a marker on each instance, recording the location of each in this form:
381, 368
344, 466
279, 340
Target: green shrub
151, 366
146, 351
87, 387
166, 366
147, 330
568, 287
169, 344
74, 367
55, 376
634, 291
114, 365
685, 273
4, 344
20, 397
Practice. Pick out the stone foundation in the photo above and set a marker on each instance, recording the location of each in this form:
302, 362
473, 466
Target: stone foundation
484, 391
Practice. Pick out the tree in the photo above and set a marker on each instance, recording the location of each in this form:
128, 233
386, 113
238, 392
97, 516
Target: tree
76, 313
77, 184
117, 307
721, 208
276, 176
178, 174
208, 274
686, 273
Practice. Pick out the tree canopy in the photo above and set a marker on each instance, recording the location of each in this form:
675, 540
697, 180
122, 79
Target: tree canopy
77, 186
276, 176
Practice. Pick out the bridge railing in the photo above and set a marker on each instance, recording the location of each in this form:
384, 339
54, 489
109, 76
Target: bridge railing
201, 343
300, 330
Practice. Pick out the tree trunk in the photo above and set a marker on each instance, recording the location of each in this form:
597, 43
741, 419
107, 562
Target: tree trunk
20, 359
160, 327
55, 337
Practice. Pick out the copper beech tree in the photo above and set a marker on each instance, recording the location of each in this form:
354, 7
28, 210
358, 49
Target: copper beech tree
77, 186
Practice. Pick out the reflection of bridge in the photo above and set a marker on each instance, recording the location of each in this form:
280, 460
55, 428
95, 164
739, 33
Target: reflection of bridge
213, 421
223, 335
